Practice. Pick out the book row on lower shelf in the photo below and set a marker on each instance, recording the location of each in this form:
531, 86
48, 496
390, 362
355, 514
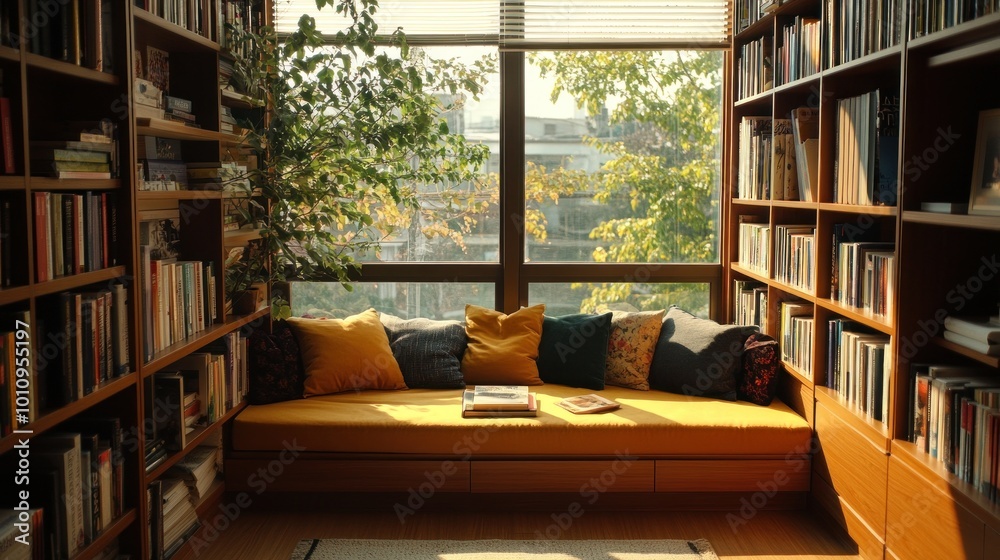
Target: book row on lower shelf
174, 497
75, 489
179, 299
74, 233
955, 419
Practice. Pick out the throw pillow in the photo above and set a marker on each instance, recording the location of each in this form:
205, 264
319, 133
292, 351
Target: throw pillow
429, 352
630, 348
274, 365
346, 354
502, 348
761, 366
573, 350
696, 356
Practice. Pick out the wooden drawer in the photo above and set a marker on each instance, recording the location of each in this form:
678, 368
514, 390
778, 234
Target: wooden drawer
585, 477
924, 523
854, 467
992, 547
870, 546
732, 475
347, 476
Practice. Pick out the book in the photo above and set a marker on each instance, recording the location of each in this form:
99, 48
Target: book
980, 329
587, 404
990, 349
158, 68
468, 410
805, 135
7, 137
500, 397
945, 207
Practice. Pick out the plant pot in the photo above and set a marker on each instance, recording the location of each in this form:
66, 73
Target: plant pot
247, 302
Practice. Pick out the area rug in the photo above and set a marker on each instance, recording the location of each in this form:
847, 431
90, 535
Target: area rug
370, 549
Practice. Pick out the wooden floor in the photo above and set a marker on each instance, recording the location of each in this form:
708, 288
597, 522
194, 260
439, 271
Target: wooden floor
269, 532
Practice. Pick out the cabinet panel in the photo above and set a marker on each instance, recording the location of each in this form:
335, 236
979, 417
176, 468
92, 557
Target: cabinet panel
924, 523
870, 546
854, 467
991, 547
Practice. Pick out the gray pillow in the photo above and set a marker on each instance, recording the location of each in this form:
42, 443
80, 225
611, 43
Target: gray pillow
428, 352
696, 356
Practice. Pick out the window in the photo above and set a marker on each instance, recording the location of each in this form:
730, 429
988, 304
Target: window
603, 180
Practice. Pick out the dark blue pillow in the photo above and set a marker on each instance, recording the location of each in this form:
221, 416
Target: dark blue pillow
573, 350
429, 352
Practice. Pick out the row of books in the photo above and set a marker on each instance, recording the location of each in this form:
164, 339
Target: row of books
77, 483
193, 15
796, 326
74, 233
90, 331
795, 256
748, 12
179, 300
239, 14
13, 545
928, 16
978, 334
955, 418
172, 517
79, 31
778, 158
755, 67
800, 53
859, 366
750, 303
867, 150
91, 153
860, 27
865, 276
754, 247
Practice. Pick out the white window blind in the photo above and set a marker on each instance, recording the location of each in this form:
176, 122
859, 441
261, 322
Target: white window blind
538, 24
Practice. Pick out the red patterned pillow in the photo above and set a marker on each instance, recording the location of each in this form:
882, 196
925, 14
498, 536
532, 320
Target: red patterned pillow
274, 367
761, 366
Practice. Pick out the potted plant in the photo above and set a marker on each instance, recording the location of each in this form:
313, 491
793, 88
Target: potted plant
352, 124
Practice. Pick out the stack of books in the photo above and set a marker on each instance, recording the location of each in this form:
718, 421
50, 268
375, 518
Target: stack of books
499, 401
88, 154
981, 335
198, 470
178, 109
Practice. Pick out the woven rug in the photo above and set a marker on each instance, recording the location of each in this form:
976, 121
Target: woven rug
369, 549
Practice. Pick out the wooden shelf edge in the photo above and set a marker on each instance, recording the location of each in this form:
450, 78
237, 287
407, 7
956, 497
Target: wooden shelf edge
859, 209
799, 83
874, 431
239, 100
72, 70
736, 267
66, 283
197, 437
51, 419
866, 318
14, 294
965, 221
12, 182
962, 492
117, 527
10, 54
869, 59
188, 195
798, 374
180, 349
177, 131
992, 361
755, 98
54, 184
974, 27
797, 292
751, 202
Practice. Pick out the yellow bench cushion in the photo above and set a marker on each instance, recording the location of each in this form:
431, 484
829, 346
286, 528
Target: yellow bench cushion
429, 421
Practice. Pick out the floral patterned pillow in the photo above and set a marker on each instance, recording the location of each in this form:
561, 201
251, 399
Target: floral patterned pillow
630, 348
761, 366
274, 366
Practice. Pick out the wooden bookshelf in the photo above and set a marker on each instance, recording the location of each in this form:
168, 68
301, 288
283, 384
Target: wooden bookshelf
69, 70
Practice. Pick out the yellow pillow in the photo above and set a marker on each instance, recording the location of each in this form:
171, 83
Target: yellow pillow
503, 349
346, 354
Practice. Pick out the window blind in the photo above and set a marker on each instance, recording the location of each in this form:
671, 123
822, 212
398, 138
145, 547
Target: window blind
538, 24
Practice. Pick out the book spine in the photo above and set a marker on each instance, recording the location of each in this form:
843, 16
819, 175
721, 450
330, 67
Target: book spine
6, 244
7, 136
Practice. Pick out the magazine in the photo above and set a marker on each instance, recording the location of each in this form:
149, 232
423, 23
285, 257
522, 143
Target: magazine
500, 397
586, 404
469, 412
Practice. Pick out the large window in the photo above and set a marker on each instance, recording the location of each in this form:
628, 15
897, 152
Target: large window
603, 178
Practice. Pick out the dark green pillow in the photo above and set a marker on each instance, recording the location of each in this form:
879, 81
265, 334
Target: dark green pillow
696, 356
573, 350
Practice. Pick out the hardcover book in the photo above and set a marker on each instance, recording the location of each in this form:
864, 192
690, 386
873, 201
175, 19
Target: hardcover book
500, 397
588, 404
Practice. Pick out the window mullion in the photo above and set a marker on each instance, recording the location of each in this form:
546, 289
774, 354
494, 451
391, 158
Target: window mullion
512, 293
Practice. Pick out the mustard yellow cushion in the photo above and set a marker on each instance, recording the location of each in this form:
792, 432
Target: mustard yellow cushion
346, 354
503, 349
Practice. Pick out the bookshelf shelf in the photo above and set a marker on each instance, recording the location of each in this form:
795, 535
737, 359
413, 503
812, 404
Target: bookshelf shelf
11, 182
53, 184
763, 99
961, 35
802, 376
176, 351
792, 290
937, 476
238, 100
177, 131
794, 204
866, 318
68, 70
876, 432
170, 35
885, 60
990, 223
750, 273
751, 202
240, 237
14, 294
859, 209
67, 283
802, 84
107, 536
7, 53
55, 417
195, 439
188, 195
992, 361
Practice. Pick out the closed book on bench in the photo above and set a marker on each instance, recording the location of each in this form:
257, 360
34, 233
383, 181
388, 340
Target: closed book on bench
469, 412
500, 397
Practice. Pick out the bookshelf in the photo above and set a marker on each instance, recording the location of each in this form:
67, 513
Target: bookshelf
56, 88
937, 260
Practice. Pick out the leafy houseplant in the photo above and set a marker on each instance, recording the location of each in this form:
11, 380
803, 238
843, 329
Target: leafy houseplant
352, 124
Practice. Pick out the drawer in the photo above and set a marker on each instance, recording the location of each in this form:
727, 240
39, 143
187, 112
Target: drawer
589, 478
870, 546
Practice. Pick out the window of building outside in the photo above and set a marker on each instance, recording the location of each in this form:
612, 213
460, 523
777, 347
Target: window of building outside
616, 202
